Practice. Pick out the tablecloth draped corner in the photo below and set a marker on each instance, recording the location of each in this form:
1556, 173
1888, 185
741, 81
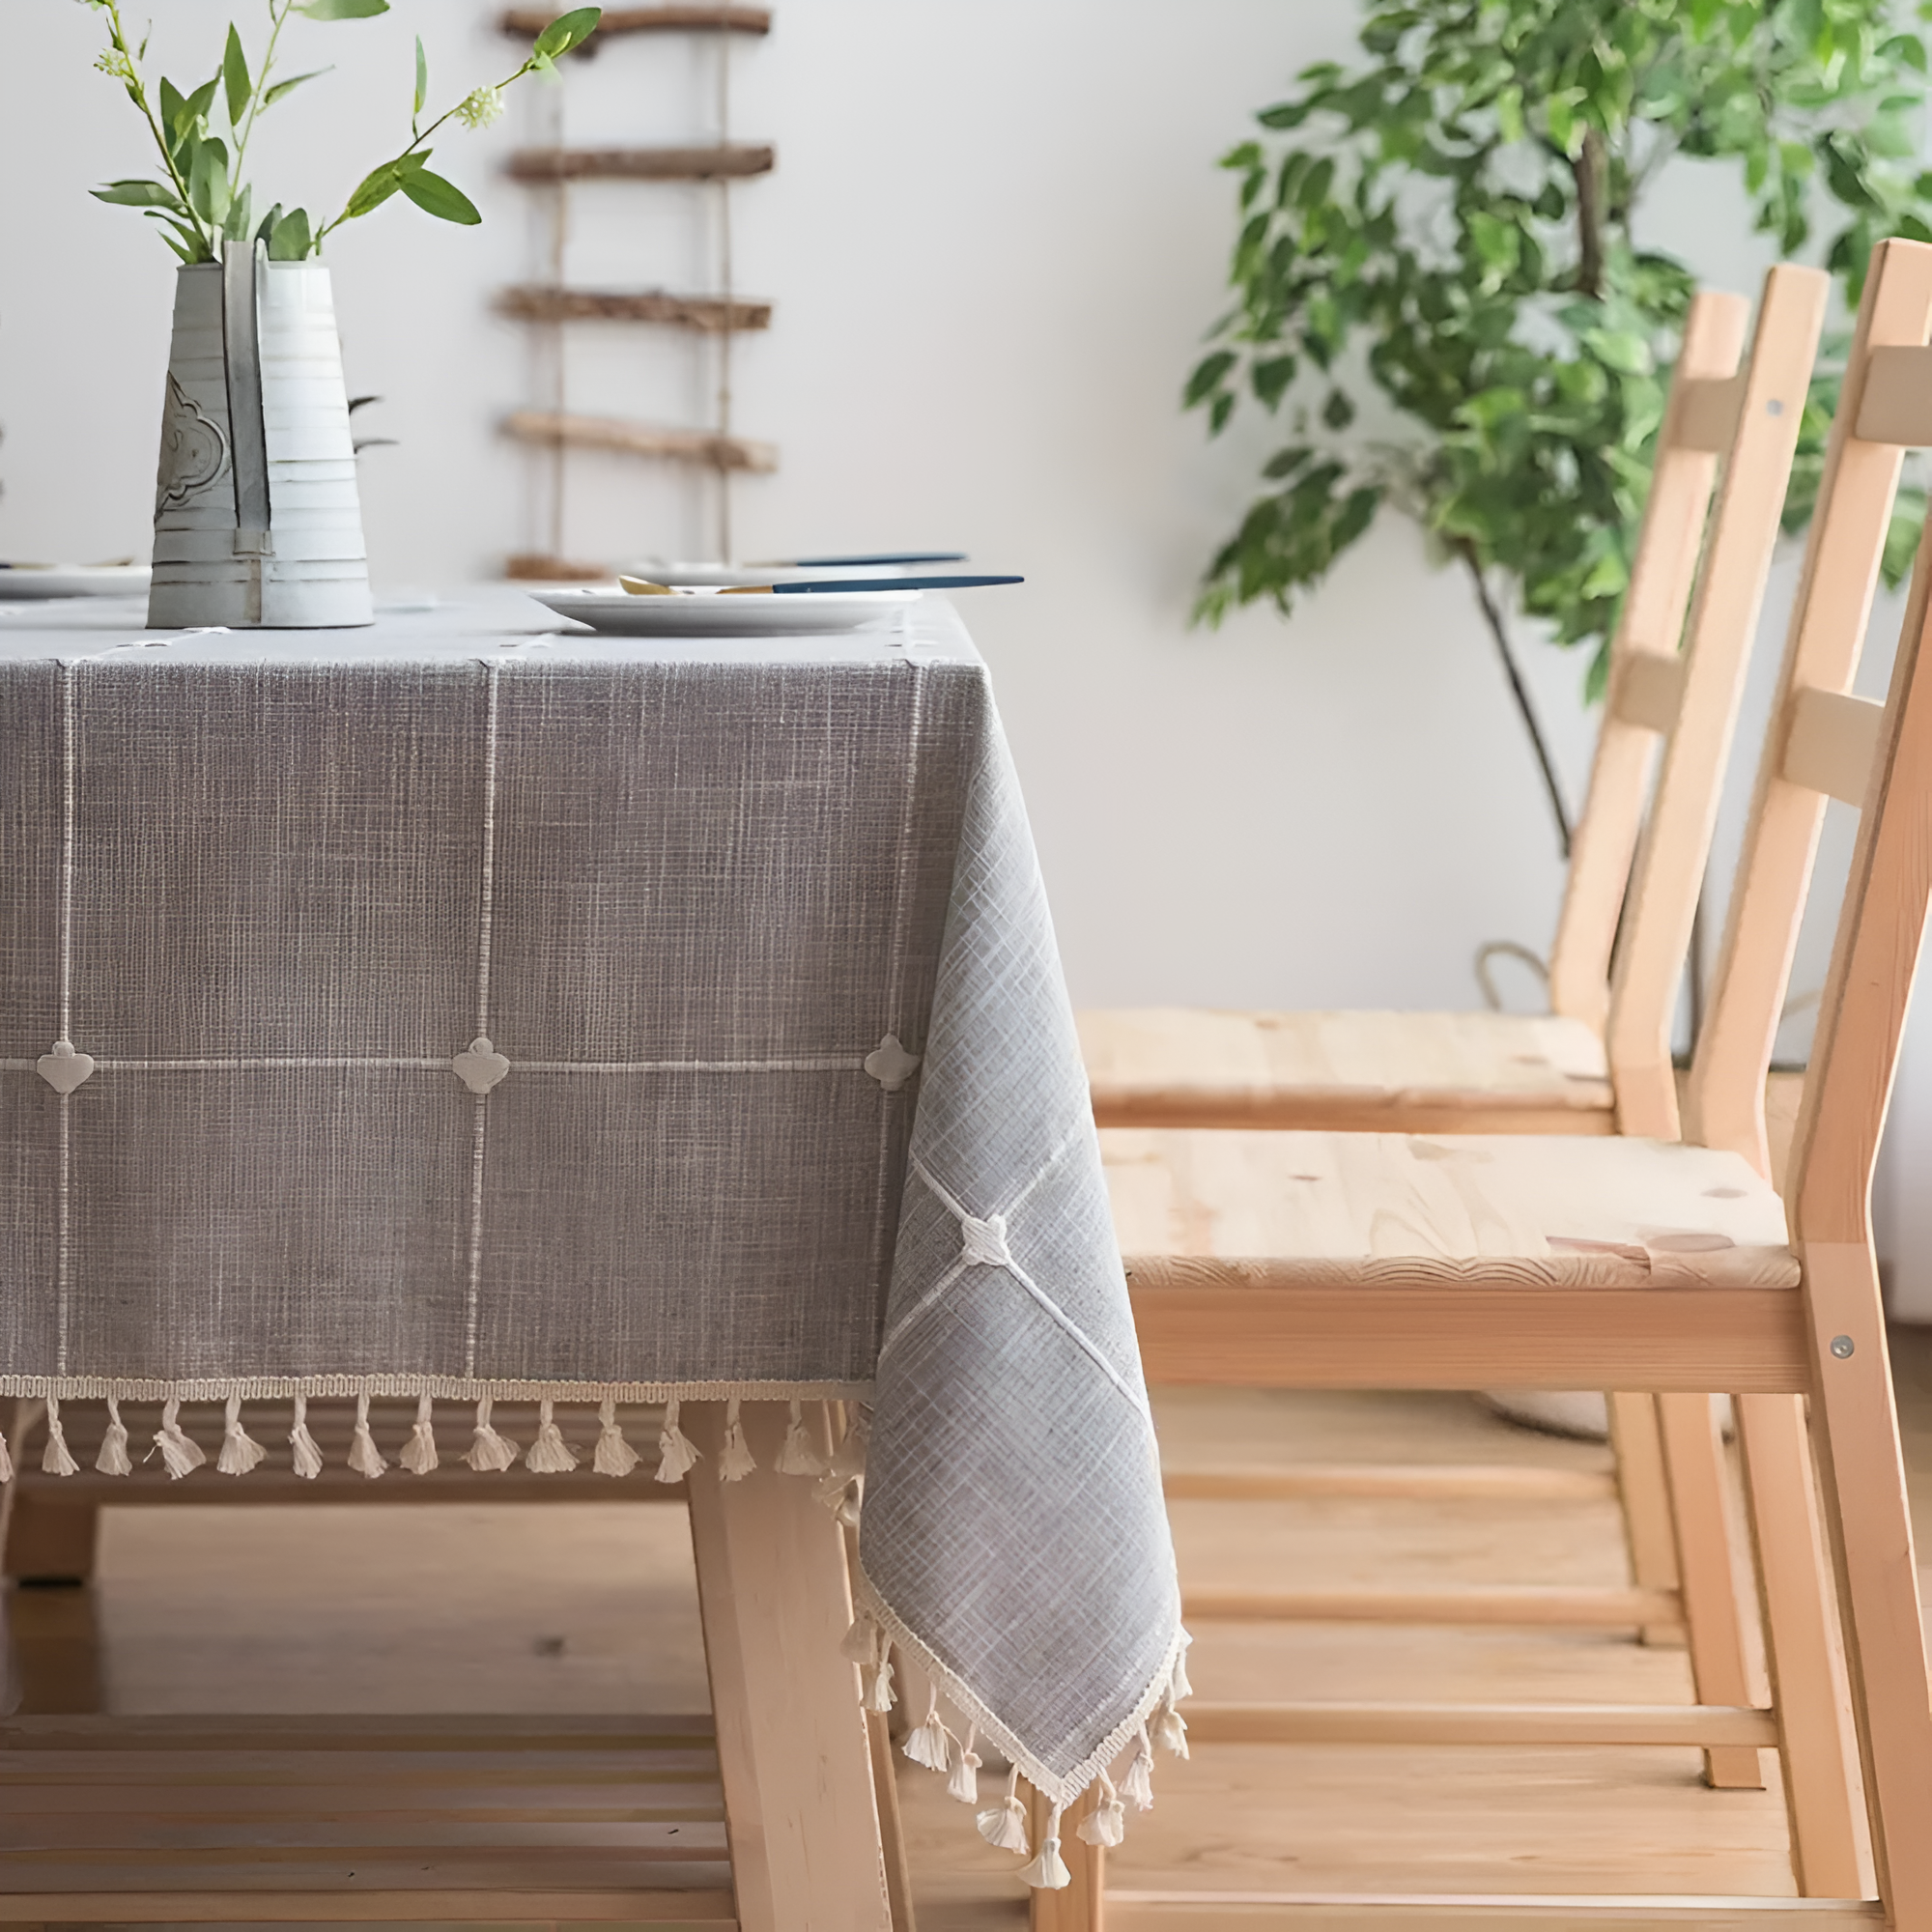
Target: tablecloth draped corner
396, 1015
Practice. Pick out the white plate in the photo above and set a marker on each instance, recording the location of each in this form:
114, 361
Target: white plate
621, 614
655, 570
33, 582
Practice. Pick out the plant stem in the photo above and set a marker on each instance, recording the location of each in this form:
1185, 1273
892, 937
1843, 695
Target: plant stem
330, 228
244, 133
1588, 169
139, 94
1493, 617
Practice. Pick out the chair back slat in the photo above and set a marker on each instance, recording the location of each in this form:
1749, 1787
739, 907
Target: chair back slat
1662, 575
1723, 621
1725, 1098
1881, 928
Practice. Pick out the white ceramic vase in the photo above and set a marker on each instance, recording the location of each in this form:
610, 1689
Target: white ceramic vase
257, 521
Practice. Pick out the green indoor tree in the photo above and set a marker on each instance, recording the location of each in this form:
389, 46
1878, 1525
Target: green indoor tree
1441, 291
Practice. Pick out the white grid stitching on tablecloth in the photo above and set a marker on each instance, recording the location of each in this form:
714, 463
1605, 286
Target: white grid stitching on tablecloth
263, 1062
895, 971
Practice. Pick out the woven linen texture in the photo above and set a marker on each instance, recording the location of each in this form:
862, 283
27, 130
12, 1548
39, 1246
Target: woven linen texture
281, 897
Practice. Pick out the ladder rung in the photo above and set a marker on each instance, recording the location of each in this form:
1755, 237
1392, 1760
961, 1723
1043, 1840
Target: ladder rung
710, 314
682, 445
528, 22
718, 162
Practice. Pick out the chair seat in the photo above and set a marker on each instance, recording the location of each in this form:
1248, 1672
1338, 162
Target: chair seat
1324, 1209
1180, 1066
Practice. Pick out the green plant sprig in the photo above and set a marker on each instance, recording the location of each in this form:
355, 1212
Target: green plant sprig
205, 202
1441, 291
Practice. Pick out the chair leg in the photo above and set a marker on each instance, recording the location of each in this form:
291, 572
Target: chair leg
1694, 1455
1856, 1431
1817, 1746
1643, 1488
794, 1747
1081, 1906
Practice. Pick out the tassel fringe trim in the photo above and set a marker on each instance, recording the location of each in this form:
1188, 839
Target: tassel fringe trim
875, 1632
241, 1455
839, 1484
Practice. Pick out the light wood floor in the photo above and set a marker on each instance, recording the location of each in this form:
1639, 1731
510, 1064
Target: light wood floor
590, 1609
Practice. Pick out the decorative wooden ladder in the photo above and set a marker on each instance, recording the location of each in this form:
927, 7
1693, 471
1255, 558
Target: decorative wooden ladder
552, 305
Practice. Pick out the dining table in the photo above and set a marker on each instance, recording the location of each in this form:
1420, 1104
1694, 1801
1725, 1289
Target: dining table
478, 1008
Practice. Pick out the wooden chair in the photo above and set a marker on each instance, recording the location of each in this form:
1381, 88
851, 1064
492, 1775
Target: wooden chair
1690, 702
1388, 1260
1484, 1072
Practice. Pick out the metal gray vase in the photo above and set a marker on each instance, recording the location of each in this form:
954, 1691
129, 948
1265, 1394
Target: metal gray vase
257, 521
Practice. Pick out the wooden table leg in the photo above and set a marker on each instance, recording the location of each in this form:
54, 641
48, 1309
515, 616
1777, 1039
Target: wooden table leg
793, 1748
1080, 1907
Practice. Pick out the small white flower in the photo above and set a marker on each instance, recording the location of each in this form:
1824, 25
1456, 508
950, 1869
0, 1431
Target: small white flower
482, 107
113, 61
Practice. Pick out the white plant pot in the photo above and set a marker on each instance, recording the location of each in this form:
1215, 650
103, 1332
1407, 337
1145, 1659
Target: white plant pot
263, 529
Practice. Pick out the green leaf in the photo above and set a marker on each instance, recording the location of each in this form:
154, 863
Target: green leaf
1338, 412
567, 30
197, 105
291, 240
235, 78
208, 191
139, 194
284, 87
373, 191
235, 227
1206, 377
422, 76
343, 10
438, 197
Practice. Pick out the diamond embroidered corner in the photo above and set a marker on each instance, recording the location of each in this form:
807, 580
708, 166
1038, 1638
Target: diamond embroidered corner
891, 1064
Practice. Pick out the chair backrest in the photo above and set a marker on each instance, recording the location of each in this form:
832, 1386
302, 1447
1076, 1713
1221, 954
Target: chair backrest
1823, 742
1699, 420
1697, 694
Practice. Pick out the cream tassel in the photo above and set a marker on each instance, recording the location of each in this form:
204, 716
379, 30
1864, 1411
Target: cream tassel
178, 1454
1138, 1784
841, 1488
307, 1457
865, 1643
1177, 1685
964, 1783
1169, 1729
796, 1455
1003, 1822
114, 1459
239, 1451
6, 1462
677, 1453
549, 1455
1106, 1823
1048, 1872
931, 1743
419, 1455
487, 1449
365, 1458
57, 1459
735, 1461
614, 1456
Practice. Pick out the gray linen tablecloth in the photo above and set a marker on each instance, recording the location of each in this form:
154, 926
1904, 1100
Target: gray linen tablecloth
450, 1010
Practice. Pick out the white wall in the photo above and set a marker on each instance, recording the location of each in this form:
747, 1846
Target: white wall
994, 238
